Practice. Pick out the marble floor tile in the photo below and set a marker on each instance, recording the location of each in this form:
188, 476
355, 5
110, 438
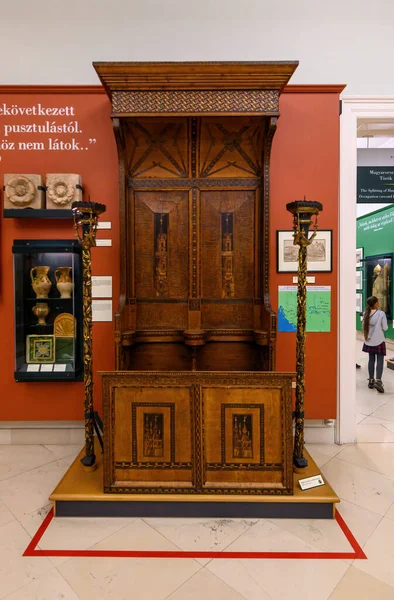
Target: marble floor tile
358, 485
390, 513
15, 569
367, 432
68, 533
205, 585
127, 578
266, 536
16, 459
201, 534
322, 453
6, 515
360, 417
138, 535
361, 586
64, 451
376, 457
236, 575
322, 534
387, 424
380, 552
30, 491
369, 401
281, 579
386, 411
51, 586
361, 522
32, 521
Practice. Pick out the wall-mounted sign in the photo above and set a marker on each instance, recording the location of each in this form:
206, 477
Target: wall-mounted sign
375, 185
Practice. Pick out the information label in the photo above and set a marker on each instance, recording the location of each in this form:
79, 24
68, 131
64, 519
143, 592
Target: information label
102, 286
102, 310
311, 482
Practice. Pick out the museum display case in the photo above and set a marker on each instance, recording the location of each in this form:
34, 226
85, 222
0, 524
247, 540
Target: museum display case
378, 276
48, 310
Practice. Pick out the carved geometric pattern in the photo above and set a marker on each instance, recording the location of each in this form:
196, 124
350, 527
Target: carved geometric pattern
187, 183
263, 102
157, 149
229, 148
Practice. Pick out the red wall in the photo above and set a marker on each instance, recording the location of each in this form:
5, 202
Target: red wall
304, 161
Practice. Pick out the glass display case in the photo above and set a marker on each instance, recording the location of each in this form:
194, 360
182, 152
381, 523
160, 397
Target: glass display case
378, 275
48, 310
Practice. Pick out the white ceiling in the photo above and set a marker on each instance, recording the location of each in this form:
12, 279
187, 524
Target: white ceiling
375, 133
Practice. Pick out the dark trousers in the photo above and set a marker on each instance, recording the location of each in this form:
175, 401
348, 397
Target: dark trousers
379, 365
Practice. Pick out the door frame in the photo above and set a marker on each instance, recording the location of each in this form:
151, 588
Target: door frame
353, 108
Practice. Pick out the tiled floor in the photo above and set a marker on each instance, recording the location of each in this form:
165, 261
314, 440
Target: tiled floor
362, 474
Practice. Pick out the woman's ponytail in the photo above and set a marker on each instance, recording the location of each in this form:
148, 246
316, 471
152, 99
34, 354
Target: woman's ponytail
372, 300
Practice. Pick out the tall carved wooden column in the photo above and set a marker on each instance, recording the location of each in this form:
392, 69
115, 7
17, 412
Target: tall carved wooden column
305, 215
86, 216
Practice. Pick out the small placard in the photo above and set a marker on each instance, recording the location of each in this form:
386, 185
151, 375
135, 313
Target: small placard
46, 368
102, 310
311, 482
104, 225
103, 242
309, 279
33, 368
59, 368
102, 286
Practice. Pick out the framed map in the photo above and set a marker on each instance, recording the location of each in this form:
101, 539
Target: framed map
318, 308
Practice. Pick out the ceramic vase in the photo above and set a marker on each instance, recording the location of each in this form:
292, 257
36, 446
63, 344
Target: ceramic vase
41, 310
40, 281
64, 281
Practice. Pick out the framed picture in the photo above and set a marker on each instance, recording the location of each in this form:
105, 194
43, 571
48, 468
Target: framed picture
359, 303
359, 257
319, 252
40, 349
359, 280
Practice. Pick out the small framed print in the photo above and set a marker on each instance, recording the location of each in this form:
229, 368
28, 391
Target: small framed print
359, 280
359, 303
319, 252
40, 349
359, 257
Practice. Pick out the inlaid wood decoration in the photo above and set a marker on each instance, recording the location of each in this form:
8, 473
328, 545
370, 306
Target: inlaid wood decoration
198, 433
194, 144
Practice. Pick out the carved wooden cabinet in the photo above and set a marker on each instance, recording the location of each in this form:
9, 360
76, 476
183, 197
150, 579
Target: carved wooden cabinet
198, 433
194, 143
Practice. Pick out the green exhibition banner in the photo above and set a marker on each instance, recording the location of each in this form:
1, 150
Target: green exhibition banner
375, 185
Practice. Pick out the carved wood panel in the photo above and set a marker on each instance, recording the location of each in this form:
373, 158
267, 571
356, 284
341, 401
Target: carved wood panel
230, 147
195, 255
162, 240
157, 147
203, 433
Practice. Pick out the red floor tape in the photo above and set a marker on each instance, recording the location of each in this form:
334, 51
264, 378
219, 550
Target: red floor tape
32, 549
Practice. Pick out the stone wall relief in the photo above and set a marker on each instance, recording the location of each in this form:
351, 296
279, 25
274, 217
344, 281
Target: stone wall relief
62, 189
23, 191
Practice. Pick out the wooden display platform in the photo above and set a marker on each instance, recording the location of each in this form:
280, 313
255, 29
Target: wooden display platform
80, 494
